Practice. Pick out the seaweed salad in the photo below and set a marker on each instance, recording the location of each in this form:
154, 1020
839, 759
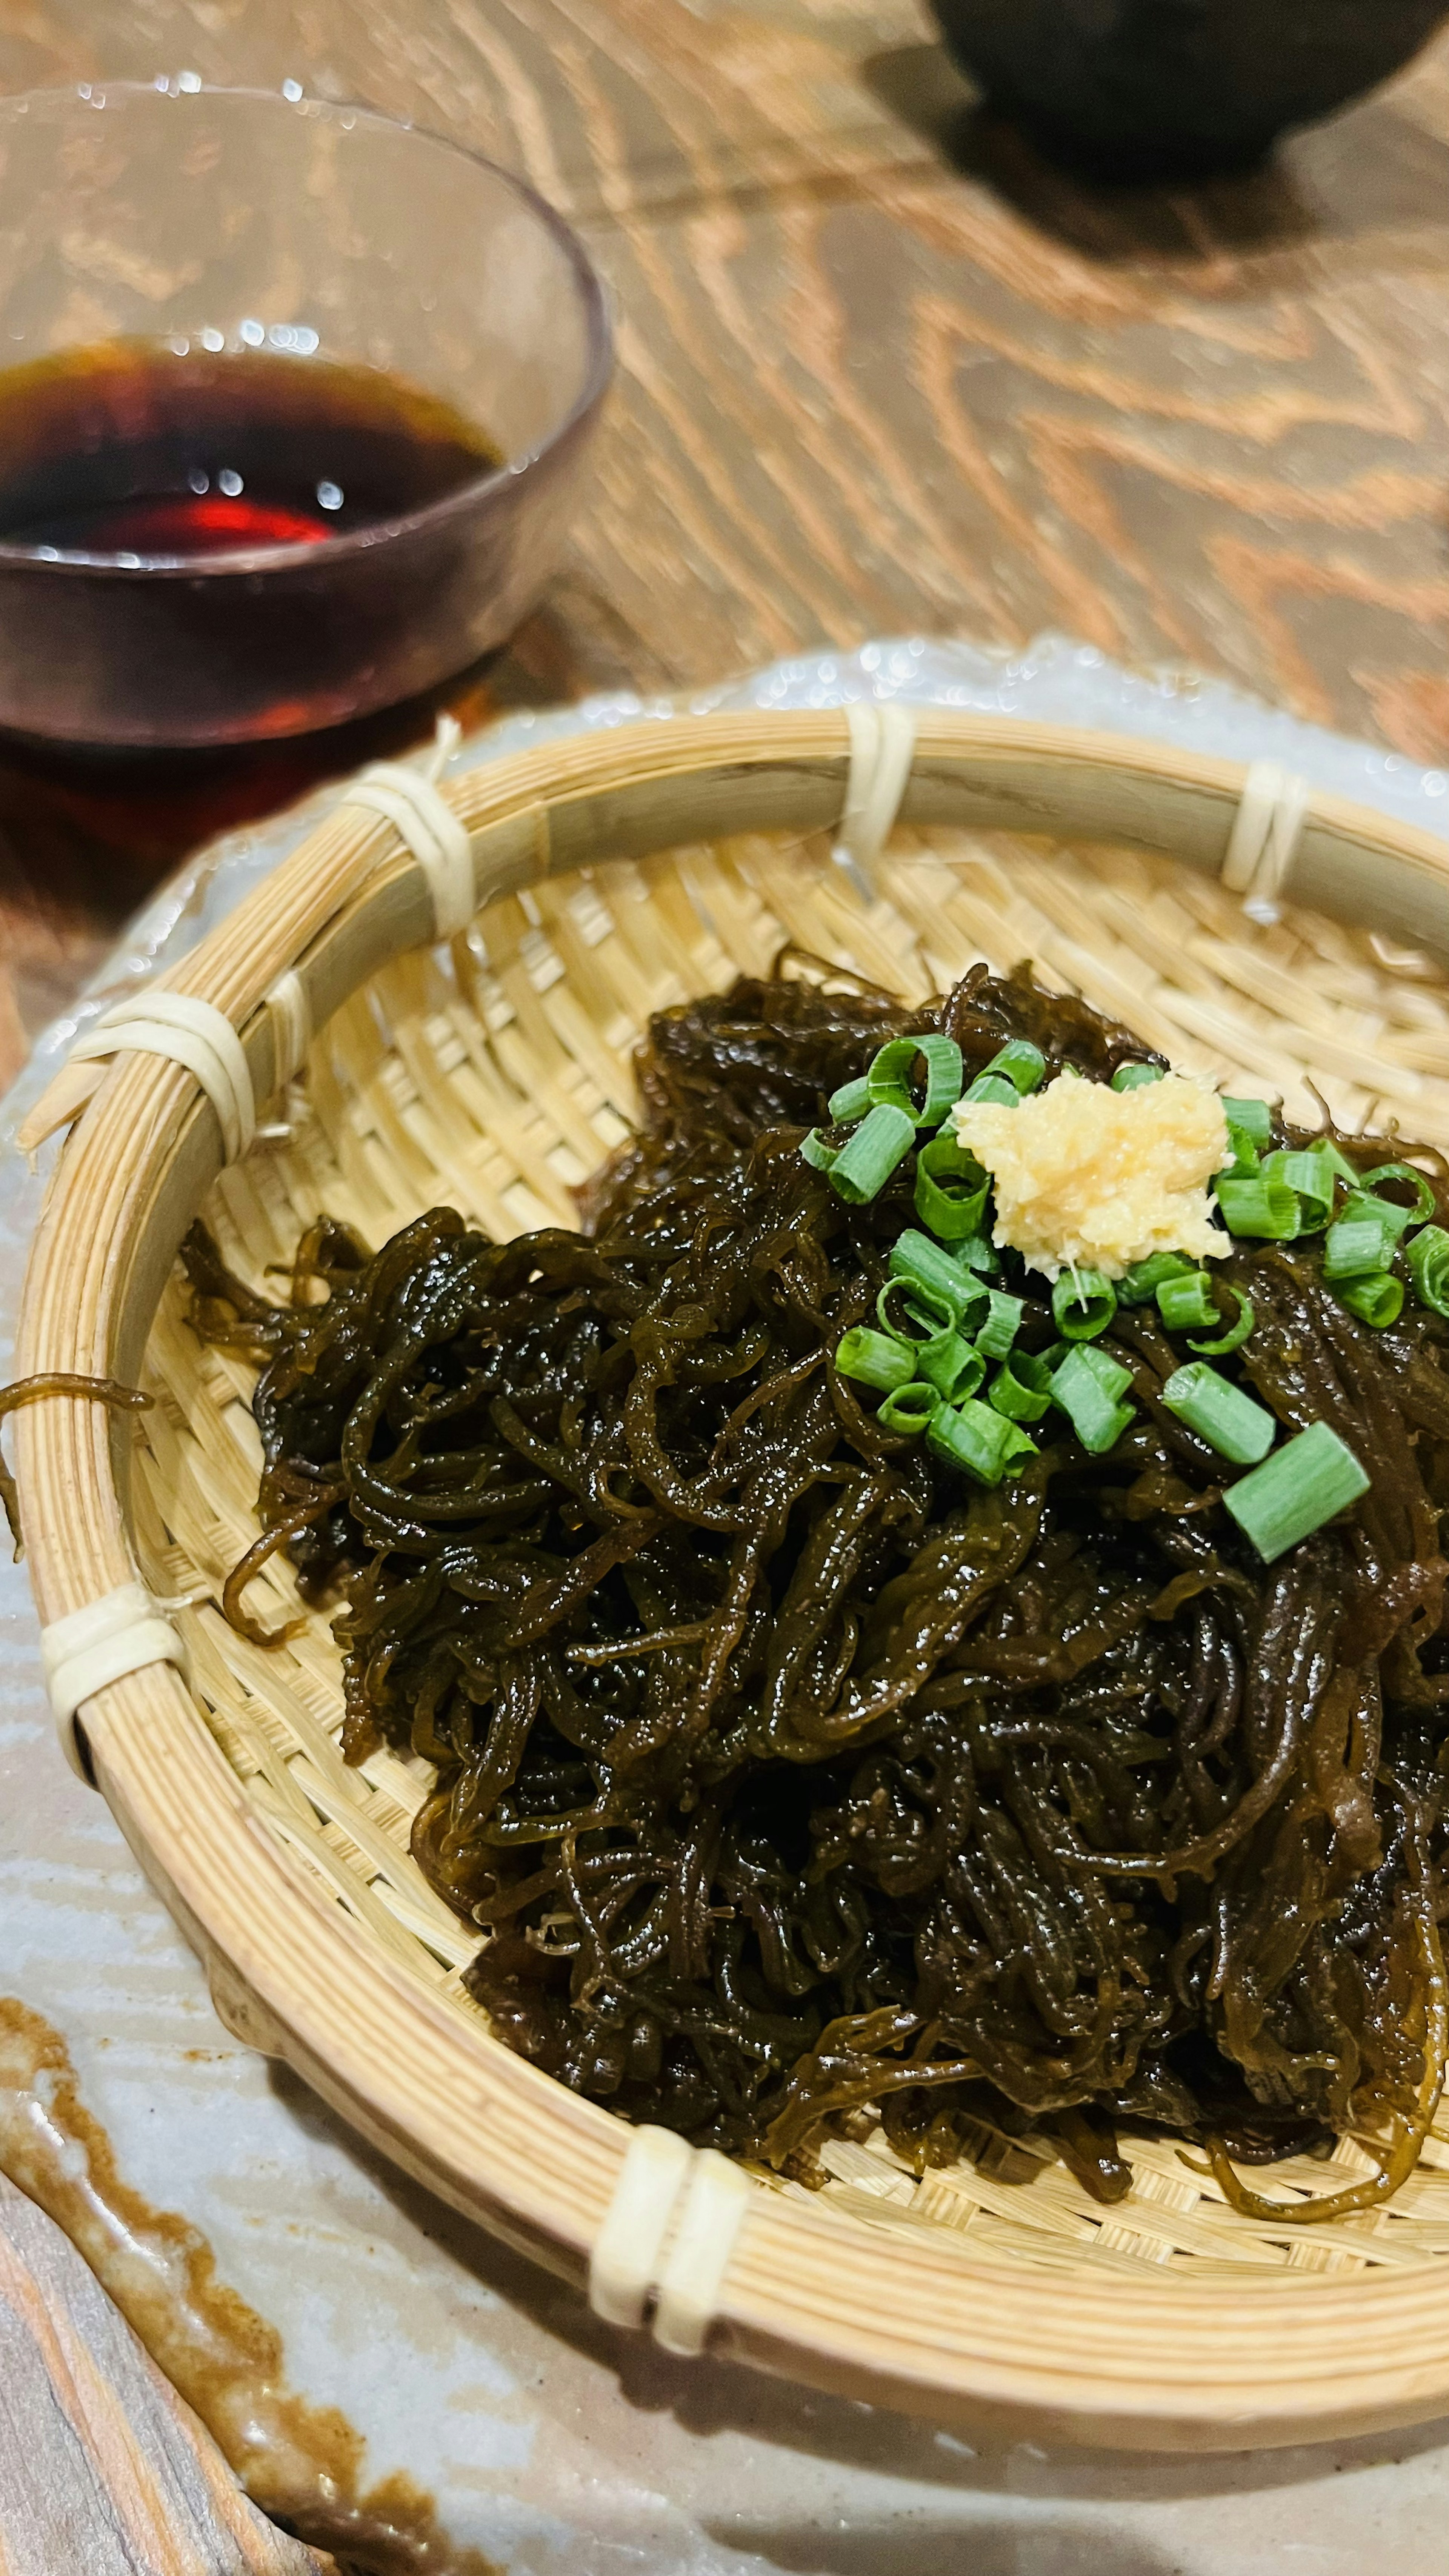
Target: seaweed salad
871, 1674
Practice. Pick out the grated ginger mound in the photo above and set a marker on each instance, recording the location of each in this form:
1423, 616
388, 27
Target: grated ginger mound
1088, 1177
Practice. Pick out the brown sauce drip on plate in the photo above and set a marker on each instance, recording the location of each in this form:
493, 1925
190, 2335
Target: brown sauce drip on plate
302, 2463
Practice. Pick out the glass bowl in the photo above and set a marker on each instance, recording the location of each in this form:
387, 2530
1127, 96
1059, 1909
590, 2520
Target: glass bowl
182, 234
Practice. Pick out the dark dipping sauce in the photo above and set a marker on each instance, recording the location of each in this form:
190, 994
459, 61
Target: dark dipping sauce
131, 451
205, 549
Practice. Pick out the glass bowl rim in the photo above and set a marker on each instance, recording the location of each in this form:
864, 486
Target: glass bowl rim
598, 368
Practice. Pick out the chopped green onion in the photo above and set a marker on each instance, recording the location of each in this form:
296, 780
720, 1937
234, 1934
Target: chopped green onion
891, 1070
1022, 1387
1427, 1259
850, 1102
1424, 1202
1003, 1322
1377, 1300
1296, 1490
1221, 1414
951, 1190
1253, 1116
1360, 1208
922, 1265
865, 1163
1083, 1304
1181, 1302
887, 1076
951, 1364
1139, 1285
942, 1060
976, 1252
1338, 1163
995, 1087
1020, 1062
1087, 1386
972, 1436
1244, 1153
914, 1314
1356, 1245
1236, 1334
1110, 1374
815, 1152
1105, 1372
910, 1408
1266, 1209
1132, 1077
874, 1359
1310, 1176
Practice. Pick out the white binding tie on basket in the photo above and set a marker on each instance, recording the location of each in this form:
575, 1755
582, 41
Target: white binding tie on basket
121, 1633
189, 1032
1265, 835
670, 2229
882, 748
410, 800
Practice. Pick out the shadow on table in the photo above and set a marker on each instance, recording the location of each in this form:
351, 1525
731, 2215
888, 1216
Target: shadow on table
986, 2548
710, 2398
1367, 175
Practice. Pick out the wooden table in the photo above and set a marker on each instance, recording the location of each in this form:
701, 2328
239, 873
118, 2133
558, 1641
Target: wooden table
881, 371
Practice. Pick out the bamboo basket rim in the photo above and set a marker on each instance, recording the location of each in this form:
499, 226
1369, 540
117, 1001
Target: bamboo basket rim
943, 2329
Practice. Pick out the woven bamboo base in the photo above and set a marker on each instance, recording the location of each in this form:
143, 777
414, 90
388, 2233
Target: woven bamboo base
494, 1075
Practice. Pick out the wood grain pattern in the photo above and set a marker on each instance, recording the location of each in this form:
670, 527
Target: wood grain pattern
881, 370
103, 2470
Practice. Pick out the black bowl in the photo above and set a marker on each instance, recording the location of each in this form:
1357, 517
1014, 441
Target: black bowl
1169, 89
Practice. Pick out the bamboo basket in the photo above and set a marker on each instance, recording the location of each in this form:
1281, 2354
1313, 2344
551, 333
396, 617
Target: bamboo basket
616, 873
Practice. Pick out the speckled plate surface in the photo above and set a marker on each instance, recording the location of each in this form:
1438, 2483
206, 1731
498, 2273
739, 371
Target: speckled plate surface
549, 2442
